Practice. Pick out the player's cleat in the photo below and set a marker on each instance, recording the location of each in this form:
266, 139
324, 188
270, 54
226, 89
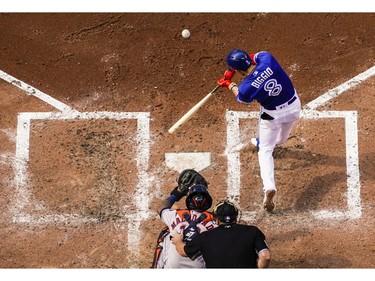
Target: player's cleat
268, 203
255, 142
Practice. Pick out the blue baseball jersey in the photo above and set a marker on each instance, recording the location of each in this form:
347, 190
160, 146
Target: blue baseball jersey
268, 84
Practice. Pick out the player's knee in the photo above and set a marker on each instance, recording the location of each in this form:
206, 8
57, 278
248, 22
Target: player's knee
266, 149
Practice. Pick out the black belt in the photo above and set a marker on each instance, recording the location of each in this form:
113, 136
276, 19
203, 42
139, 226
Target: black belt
287, 103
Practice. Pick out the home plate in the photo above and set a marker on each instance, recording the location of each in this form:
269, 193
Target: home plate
194, 160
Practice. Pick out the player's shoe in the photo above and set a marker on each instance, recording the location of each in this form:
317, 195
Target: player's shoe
268, 202
255, 142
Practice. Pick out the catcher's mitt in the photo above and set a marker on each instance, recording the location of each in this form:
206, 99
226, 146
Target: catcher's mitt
187, 179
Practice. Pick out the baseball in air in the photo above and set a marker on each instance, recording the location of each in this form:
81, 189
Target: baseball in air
185, 33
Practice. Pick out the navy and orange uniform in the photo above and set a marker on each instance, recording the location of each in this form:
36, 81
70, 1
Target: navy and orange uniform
180, 221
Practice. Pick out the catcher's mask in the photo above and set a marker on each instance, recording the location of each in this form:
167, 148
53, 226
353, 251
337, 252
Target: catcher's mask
198, 198
238, 59
226, 212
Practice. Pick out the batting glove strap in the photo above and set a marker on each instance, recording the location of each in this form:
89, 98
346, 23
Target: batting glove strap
232, 85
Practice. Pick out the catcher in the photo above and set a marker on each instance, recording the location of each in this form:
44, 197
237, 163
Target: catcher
189, 222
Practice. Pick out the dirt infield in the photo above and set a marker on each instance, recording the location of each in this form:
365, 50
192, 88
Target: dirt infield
86, 101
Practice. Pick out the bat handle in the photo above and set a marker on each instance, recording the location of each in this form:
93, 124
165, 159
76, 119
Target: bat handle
215, 89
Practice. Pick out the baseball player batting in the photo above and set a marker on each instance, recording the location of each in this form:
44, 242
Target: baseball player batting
190, 221
266, 82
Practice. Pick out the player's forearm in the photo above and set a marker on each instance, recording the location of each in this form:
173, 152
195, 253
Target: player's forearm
234, 90
167, 203
177, 241
264, 259
180, 249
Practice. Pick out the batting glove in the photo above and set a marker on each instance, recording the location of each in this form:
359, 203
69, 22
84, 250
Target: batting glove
228, 74
226, 83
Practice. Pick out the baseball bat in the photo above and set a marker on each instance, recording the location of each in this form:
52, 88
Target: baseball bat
191, 112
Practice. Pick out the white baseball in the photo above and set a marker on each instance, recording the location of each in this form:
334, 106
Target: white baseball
185, 33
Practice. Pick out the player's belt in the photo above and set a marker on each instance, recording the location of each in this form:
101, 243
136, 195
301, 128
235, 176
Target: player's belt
281, 105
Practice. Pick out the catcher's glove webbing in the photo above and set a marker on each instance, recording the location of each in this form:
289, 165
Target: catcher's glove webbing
185, 180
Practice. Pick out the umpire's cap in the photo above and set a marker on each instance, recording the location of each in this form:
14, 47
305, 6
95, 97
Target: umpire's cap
225, 211
238, 59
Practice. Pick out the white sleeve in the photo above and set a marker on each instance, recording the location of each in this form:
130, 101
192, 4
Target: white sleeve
168, 216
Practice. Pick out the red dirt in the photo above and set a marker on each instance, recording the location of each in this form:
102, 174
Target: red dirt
140, 63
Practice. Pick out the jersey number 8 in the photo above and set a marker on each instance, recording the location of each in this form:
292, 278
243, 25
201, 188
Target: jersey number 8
272, 87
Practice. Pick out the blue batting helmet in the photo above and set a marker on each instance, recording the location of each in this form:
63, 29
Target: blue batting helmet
198, 198
238, 59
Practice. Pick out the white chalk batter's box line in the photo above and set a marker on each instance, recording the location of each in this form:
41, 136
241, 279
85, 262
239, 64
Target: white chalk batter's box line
353, 199
22, 194
23, 197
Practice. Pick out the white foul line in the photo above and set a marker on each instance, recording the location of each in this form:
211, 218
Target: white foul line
323, 99
35, 92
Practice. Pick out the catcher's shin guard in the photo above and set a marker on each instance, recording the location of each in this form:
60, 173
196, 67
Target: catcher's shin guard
159, 246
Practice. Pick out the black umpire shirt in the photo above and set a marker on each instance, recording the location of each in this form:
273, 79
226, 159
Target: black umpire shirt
228, 246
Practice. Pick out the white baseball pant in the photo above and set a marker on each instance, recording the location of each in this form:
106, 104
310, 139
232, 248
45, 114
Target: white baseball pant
272, 133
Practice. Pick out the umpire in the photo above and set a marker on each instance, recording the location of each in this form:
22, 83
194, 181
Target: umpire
230, 245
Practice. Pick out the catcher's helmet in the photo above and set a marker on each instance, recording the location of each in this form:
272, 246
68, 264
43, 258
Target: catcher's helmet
198, 198
238, 59
226, 212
